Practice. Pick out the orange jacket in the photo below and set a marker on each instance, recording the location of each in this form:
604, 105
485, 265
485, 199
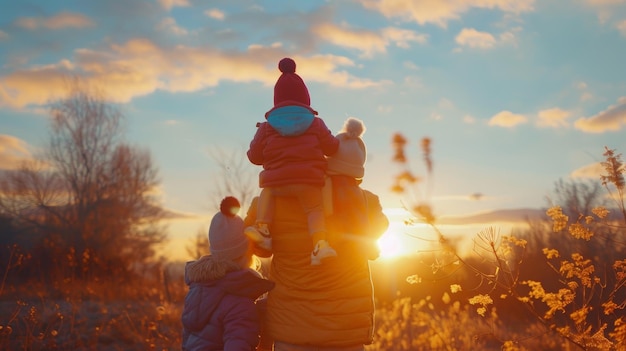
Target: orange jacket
331, 305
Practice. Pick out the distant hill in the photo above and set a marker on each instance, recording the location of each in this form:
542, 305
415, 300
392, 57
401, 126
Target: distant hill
510, 215
517, 215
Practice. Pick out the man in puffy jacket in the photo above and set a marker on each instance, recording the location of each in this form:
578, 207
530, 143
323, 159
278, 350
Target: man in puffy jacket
328, 307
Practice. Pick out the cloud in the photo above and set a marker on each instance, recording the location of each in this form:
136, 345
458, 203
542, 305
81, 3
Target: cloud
440, 12
174, 215
507, 119
22, 88
584, 91
621, 26
510, 36
553, 118
468, 119
384, 109
403, 37
168, 24
605, 2
445, 104
592, 171
3, 35
60, 21
170, 4
139, 67
611, 119
518, 215
410, 65
215, 14
13, 151
474, 39
606, 9
367, 41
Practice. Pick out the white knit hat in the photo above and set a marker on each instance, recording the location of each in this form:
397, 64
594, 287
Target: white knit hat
226, 238
350, 157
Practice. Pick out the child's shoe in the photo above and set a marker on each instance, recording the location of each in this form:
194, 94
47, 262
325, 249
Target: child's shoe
321, 251
260, 234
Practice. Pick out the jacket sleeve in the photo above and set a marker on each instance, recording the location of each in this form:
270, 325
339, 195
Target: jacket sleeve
378, 221
328, 142
255, 152
248, 221
195, 315
241, 327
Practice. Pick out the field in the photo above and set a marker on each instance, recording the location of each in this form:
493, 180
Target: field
145, 315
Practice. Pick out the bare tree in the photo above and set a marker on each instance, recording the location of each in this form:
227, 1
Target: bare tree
237, 176
91, 191
198, 245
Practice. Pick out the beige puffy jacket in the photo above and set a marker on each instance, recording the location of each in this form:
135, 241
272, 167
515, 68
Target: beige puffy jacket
331, 305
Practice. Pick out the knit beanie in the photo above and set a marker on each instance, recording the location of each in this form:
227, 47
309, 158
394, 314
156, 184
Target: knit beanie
290, 88
350, 157
226, 238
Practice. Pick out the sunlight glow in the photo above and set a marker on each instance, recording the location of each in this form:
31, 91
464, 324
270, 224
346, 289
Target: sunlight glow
393, 243
389, 245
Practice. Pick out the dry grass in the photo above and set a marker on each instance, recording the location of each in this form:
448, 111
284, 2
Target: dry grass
93, 316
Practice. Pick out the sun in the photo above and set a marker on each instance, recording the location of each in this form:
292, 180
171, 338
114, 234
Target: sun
395, 242
389, 245
400, 240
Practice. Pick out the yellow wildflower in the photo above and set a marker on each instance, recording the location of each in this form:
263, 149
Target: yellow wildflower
609, 307
413, 279
481, 311
578, 231
579, 316
482, 299
558, 218
601, 212
550, 253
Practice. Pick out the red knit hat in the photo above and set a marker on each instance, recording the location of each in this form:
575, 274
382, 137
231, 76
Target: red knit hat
290, 88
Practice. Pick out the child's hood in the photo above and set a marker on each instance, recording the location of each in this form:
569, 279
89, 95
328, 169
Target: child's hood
227, 277
290, 120
206, 269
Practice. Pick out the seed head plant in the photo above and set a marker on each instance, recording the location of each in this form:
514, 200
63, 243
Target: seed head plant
575, 295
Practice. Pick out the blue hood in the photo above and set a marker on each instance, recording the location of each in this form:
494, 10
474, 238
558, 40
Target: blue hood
291, 120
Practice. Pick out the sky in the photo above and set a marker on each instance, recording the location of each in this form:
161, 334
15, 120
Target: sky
514, 94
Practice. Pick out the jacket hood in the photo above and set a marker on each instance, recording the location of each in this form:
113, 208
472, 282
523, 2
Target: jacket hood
290, 120
207, 269
226, 276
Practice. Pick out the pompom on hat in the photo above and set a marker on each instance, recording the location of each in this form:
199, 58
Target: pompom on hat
226, 238
290, 88
350, 158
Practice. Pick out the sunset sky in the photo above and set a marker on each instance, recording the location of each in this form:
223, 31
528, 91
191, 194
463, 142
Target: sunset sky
515, 94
